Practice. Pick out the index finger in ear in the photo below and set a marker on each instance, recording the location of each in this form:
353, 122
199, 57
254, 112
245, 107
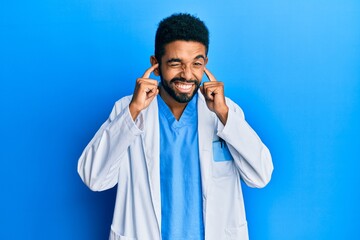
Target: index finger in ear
209, 75
150, 70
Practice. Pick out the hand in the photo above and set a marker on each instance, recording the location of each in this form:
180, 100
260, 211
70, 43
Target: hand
213, 92
145, 91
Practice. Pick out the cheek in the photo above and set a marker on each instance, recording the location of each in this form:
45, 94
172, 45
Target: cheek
199, 74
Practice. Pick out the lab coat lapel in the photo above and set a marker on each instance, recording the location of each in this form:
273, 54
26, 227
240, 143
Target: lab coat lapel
206, 122
152, 154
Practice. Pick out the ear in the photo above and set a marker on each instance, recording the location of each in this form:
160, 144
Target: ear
154, 61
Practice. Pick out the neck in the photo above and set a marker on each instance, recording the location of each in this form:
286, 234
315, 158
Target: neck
175, 107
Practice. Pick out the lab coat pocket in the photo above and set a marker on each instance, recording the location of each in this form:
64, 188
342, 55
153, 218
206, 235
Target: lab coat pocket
221, 151
238, 233
223, 164
115, 236
223, 169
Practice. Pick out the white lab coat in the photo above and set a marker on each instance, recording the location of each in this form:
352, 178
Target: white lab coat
127, 154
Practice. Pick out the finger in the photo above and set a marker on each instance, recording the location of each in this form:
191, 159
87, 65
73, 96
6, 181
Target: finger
150, 70
143, 83
209, 93
216, 87
203, 92
212, 84
149, 87
152, 94
146, 81
209, 75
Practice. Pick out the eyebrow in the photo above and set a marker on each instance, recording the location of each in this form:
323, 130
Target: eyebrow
173, 60
179, 60
200, 56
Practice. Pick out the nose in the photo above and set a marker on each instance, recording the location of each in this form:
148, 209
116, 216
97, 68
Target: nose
187, 73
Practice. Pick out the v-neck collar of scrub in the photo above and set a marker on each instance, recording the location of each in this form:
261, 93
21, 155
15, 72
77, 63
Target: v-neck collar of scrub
187, 117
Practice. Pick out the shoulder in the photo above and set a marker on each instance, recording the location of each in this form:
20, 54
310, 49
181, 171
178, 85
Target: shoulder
123, 102
234, 106
120, 105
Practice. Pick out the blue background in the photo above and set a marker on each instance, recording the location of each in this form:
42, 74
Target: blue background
293, 66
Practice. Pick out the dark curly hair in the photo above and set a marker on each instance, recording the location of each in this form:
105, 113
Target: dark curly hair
181, 26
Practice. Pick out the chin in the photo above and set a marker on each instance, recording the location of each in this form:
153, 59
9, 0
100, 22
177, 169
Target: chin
183, 97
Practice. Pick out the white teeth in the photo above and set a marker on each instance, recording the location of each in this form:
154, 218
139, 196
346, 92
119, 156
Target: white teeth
184, 86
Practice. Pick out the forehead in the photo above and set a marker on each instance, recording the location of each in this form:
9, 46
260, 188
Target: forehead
185, 50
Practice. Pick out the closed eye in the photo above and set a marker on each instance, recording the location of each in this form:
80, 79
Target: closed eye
197, 64
175, 65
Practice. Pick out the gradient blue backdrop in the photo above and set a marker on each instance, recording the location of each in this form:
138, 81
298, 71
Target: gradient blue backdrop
293, 66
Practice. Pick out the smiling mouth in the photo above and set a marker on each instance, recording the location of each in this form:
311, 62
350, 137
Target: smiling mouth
184, 87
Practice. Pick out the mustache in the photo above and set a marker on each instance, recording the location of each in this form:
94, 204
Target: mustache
178, 79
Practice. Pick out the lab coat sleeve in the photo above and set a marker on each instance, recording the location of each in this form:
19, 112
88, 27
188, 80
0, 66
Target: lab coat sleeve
251, 157
99, 163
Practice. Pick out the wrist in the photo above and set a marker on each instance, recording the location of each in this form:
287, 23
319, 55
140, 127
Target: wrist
223, 114
134, 111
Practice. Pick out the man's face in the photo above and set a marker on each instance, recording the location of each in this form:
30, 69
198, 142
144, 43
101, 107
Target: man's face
181, 70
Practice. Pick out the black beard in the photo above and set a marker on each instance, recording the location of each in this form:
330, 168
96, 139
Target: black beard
180, 97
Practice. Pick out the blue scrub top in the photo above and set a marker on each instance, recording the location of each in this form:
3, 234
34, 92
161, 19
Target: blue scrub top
180, 179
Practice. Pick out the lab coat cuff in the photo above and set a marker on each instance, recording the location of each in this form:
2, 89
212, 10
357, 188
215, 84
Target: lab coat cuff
220, 127
234, 121
131, 126
137, 126
223, 129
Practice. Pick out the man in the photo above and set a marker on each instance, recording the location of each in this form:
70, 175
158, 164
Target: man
177, 150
